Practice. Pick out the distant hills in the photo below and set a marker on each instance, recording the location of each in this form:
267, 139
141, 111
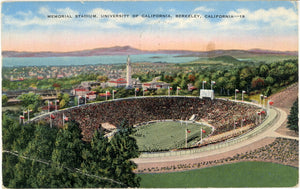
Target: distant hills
127, 50
225, 58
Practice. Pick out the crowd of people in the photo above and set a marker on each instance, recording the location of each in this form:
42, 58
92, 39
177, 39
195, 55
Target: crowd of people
282, 150
224, 115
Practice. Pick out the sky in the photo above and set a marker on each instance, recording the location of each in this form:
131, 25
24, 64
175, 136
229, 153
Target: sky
272, 25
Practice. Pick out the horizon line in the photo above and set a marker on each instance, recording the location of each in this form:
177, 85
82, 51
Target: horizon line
107, 47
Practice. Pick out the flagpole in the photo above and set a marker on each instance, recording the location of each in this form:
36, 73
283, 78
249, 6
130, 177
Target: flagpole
260, 99
260, 117
186, 137
243, 96
234, 123
236, 90
201, 135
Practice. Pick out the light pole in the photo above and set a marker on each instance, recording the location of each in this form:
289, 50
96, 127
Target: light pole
178, 88
203, 82
211, 84
243, 92
236, 91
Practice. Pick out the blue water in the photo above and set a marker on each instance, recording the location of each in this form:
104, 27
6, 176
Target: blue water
92, 60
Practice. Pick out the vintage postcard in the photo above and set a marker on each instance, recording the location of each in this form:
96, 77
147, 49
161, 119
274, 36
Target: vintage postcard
149, 94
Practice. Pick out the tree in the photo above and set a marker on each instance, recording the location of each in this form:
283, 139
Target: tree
192, 78
62, 104
122, 149
102, 79
31, 101
293, 118
269, 80
263, 70
4, 100
67, 154
162, 91
257, 82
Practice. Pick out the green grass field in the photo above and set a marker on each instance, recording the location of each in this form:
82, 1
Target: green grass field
243, 174
167, 135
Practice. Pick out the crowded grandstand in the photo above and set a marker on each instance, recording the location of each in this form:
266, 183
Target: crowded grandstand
223, 115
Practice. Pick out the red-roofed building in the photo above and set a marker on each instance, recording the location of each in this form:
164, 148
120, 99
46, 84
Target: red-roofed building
117, 83
80, 91
60, 76
92, 95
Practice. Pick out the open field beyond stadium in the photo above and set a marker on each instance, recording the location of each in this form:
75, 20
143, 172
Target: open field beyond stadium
242, 174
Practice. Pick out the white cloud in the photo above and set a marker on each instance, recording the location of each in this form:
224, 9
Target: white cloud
100, 11
44, 11
24, 14
67, 11
203, 9
268, 20
115, 21
280, 15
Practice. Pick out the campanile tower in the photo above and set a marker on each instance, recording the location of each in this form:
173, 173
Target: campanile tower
128, 76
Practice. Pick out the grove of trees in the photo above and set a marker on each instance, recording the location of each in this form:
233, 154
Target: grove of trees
35, 156
265, 78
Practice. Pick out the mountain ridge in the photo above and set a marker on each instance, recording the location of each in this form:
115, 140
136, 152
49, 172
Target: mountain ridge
128, 50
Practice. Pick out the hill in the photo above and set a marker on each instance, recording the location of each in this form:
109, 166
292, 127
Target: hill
128, 50
225, 58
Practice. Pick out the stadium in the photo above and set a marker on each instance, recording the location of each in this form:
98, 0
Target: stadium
238, 135
227, 119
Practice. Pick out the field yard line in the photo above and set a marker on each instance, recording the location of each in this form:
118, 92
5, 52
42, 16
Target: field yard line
270, 131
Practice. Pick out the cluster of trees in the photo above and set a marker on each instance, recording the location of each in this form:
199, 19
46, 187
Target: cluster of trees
45, 84
293, 118
266, 78
35, 155
30, 101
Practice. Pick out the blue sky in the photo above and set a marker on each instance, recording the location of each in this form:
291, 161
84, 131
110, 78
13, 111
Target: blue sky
267, 24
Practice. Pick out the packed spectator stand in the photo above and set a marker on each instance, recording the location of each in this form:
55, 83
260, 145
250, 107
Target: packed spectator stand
224, 115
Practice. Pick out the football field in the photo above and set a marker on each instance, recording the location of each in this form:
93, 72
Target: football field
169, 135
